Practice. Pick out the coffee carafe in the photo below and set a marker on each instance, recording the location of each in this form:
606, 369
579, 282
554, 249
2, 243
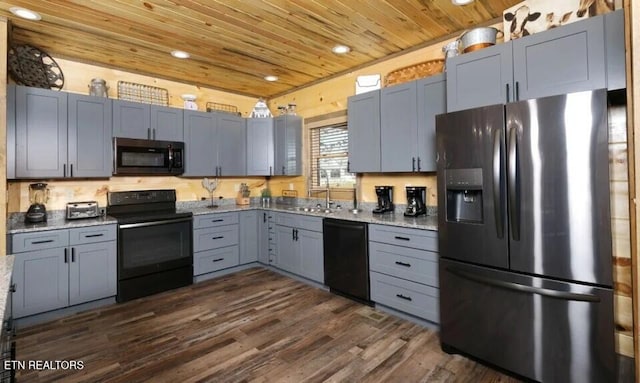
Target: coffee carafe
38, 196
416, 195
385, 199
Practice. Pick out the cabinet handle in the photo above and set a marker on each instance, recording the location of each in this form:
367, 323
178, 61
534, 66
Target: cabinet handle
413, 164
293, 234
66, 257
348, 166
43, 241
148, 133
283, 172
217, 220
264, 217
406, 298
270, 170
154, 133
507, 91
296, 234
218, 260
403, 238
403, 264
64, 170
71, 170
93, 235
73, 254
418, 163
517, 91
12, 288
218, 237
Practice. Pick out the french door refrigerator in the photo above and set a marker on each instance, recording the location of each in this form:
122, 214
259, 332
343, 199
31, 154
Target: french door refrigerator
525, 239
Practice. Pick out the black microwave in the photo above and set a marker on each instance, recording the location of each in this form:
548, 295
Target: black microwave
147, 157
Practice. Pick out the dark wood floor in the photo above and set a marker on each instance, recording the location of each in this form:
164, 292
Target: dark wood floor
252, 326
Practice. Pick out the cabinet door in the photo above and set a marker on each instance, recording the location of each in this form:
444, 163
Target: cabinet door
11, 131
310, 248
560, 60
41, 133
432, 100
288, 258
131, 119
41, 281
614, 44
363, 122
92, 272
288, 145
89, 136
260, 147
263, 232
200, 145
249, 236
167, 124
480, 78
399, 128
231, 145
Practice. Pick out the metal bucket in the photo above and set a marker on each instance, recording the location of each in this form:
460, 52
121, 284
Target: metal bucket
478, 38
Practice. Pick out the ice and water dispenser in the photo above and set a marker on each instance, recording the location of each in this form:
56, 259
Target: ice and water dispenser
464, 195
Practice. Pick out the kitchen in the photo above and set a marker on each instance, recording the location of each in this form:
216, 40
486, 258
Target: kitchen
313, 101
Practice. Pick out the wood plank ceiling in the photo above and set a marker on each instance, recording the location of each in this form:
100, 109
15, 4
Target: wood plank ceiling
235, 43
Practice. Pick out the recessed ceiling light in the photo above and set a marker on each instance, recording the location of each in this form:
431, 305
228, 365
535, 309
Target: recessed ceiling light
180, 54
461, 2
271, 78
341, 49
25, 13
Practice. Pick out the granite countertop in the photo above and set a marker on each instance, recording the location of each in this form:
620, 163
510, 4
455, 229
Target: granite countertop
55, 220
6, 269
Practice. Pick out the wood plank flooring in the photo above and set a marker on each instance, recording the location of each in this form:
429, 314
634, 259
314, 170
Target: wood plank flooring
251, 326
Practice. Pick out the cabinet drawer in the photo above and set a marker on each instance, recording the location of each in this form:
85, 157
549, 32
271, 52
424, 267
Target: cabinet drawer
215, 237
299, 221
81, 235
214, 260
393, 235
415, 265
218, 219
410, 297
41, 240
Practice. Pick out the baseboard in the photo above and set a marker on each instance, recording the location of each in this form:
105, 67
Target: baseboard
61, 313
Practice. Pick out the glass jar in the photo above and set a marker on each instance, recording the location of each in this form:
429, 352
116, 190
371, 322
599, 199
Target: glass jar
98, 87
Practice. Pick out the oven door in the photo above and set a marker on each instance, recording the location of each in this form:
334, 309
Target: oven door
154, 246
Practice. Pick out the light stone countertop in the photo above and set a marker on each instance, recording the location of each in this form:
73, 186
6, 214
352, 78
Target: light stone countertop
55, 221
6, 270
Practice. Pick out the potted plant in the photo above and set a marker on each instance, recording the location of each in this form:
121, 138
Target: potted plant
243, 195
266, 197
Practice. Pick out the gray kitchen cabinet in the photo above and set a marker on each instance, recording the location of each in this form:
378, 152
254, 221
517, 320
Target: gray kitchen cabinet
89, 136
214, 144
53, 134
249, 236
399, 128
260, 147
363, 121
288, 145
167, 124
131, 119
403, 270
40, 133
58, 268
615, 46
231, 145
200, 135
300, 245
216, 242
432, 100
145, 121
264, 226
567, 59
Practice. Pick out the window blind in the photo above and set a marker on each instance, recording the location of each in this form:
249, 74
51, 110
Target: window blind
329, 155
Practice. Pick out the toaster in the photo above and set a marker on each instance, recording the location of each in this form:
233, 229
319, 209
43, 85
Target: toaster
79, 210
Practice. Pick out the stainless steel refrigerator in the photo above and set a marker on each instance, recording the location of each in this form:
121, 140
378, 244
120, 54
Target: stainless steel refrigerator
525, 238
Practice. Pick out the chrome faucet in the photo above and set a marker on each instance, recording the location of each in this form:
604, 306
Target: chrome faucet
328, 201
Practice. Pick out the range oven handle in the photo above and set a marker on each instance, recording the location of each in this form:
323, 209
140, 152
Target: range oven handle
153, 223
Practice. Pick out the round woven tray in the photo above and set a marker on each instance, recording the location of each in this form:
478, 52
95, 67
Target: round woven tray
416, 71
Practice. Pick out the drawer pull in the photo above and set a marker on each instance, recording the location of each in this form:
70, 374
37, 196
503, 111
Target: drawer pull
403, 264
218, 260
406, 298
402, 238
43, 241
217, 220
218, 237
93, 235
12, 288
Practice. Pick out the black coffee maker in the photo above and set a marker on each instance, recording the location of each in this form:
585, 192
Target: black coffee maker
416, 195
385, 199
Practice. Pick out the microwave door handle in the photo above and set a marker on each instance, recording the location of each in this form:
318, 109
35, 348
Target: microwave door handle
170, 158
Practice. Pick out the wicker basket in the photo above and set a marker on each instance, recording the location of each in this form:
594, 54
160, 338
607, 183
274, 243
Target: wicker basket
413, 72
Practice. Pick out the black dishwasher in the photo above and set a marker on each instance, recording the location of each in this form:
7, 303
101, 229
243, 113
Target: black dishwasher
346, 258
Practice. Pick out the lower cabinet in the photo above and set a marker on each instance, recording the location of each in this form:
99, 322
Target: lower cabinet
299, 245
265, 222
216, 242
249, 236
403, 269
59, 268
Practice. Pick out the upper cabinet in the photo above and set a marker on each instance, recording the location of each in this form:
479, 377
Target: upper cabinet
260, 151
53, 134
215, 144
393, 130
568, 59
288, 145
144, 121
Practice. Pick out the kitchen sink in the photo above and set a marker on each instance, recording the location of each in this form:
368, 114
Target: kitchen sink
312, 209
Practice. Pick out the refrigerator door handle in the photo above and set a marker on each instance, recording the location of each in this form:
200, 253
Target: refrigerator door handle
564, 295
512, 177
497, 171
